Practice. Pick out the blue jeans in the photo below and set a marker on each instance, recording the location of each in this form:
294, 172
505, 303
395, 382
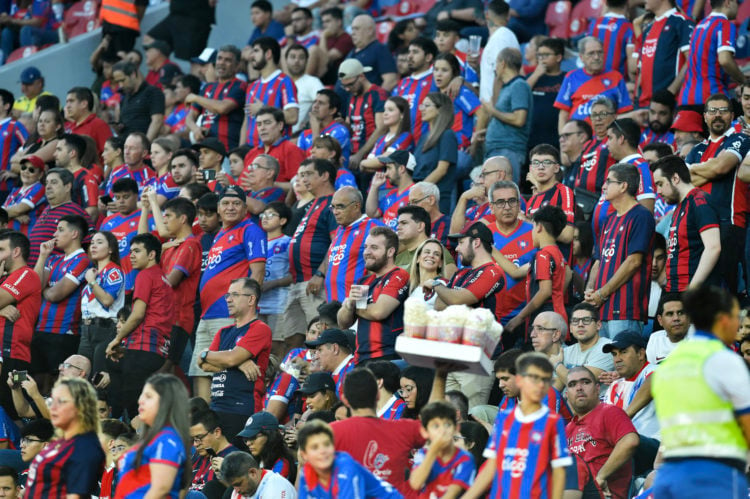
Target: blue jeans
610, 329
699, 478
516, 159
8, 42
37, 36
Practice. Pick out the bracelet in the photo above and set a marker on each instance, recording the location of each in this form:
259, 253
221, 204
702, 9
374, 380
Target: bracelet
559, 363
599, 294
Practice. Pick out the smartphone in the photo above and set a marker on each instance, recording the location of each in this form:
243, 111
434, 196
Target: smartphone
19, 377
106, 199
209, 175
97, 379
211, 453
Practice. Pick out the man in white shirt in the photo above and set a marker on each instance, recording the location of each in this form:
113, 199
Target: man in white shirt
674, 320
500, 37
248, 481
307, 85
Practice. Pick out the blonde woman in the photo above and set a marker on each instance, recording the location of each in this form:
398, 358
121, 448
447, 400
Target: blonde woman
426, 265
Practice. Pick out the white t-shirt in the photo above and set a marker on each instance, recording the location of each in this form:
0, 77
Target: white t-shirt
271, 486
307, 89
500, 39
621, 393
659, 347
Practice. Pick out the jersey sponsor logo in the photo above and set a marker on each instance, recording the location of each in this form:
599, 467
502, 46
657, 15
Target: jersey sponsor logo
649, 47
514, 460
338, 253
672, 242
214, 258
375, 461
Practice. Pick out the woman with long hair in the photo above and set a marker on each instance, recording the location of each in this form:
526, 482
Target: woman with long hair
437, 150
398, 137
49, 128
266, 444
159, 464
26, 202
112, 154
300, 199
416, 385
472, 437
427, 265
161, 154
102, 297
401, 35
72, 409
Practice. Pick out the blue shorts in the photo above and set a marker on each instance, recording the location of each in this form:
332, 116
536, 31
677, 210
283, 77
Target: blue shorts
699, 478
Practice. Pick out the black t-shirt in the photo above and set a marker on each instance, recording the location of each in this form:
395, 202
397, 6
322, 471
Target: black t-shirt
544, 117
136, 109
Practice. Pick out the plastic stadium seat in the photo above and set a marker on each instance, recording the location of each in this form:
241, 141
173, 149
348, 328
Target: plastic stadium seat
557, 18
81, 18
20, 53
581, 16
383, 29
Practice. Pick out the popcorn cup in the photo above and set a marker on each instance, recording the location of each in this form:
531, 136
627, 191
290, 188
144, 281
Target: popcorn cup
474, 337
415, 330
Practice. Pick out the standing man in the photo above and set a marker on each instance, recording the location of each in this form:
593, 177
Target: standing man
365, 110
238, 250
702, 397
661, 114
233, 396
546, 82
501, 37
160, 69
307, 85
415, 87
621, 276
381, 320
615, 32
693, 240
81, 118
217, 111
142, 106
573, 136
69, 150
334, 41
135, 151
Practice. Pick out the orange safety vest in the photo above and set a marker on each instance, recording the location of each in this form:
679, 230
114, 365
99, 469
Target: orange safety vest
121, 13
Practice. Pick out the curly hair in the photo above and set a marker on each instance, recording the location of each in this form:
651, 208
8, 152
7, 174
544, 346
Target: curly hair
84, 398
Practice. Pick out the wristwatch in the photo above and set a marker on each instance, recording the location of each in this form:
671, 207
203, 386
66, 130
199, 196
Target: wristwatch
318, 273
204, 354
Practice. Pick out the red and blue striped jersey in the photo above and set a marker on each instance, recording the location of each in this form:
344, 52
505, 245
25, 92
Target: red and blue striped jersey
362, 111
282, 467
615, 33
62, 317
477, 212
579, 89
346, 263
334, 129
562, 197
308, 41
459, 470
167, 187
684, 244
145, 177
661, 54
414, 89
440, 229
393, 409
177, 118
166, 448
32, 196
705, 76
85, 190
548, 264
231, 254
595, 163
311, 239
24, 287
390, 204
125, 228
225, 127
283, 390
278, 90
466, 104
485, 282
46, 225
12, 136
66, 466
266, 195
404, 142
153, 333
9, 431
526, 448
554, 401
339, 375
518, 247
622, 236
376, 339
344, 178
583, 268
649, 137
348, 479
727, 194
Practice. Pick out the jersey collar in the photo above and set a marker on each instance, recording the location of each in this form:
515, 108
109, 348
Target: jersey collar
271, 76
666, 14
529, 418
343, 364
628, 159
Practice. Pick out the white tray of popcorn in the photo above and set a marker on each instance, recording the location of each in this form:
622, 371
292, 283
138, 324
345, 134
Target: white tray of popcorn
458, 335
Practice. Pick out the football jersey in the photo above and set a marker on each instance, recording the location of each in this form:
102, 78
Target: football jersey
186, 259
440, 229
339, 374
361, 117
311, 240
167, 187
144, 177
346, 263
465, 105
390, 204
62, 317
125, 228
231, 254
705, 76
393, 409
177, 118
414, 89
518, 247
554, 401
562, 197
333, 129
85, 190
153, 333
548, 264
526, 449
12, 136
225, 127
484, 282
278, 90
112, 280
25, 288
457, 470
622, 236
32, 196
649, 137
166, 448
403, 142
595, 163
273, 301
377, 339
616, 34
348, 479
579, 89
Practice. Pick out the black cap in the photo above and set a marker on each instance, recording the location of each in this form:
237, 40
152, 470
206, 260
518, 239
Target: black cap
168, 72
330, 336
211, 143
257, 422
318, 382
624, 340
478, 230
233, 191
159, 45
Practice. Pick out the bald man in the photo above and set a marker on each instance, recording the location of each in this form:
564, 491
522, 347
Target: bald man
494, 169
372, 53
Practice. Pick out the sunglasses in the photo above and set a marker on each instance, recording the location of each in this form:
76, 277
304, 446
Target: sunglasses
30, 169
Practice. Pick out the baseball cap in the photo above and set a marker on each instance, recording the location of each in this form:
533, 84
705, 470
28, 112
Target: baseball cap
208, 56
318, 382
330, 336
688, 121
351, 68
168, 72
257, 422
211, 143
404, 158
35, 161
478, 230
624, 340
233, 191
30, 75
159, 45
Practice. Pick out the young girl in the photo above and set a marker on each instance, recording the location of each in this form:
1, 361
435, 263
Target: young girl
398, 137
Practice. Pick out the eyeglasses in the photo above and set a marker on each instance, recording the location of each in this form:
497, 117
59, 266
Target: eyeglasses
510, 203
406, 390
542, 328
547, 163
234, 296
581, 320
417, 201
341, 207
199, 438
56, 402
602, 115
544, 55
29, 441
612, 181
713, 111
30, 169
255, 166
268, 215
568, 135
485, 174
536, 379
68, 365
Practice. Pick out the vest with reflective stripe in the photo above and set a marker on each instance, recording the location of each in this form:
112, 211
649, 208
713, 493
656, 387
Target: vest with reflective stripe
121, 13
695, 421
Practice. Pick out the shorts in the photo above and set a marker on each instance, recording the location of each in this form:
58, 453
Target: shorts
178, 340
204, 335
300, 309
274, 321
49, 350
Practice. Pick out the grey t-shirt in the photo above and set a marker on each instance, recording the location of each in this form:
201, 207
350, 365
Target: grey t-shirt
593, 357
515, 95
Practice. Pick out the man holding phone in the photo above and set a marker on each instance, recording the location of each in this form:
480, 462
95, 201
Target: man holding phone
211, 154
211, 446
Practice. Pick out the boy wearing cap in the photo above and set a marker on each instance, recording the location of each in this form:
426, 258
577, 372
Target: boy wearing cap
211, 153
160, 68
399, 167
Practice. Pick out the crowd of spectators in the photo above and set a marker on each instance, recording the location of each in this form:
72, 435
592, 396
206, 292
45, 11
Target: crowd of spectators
248, 233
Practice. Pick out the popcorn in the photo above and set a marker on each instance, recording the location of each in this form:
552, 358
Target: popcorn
415, 317
476, 325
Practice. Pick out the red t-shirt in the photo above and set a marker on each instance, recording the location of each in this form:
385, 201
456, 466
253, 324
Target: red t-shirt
548, 265
94, 127
186, 257
386, 452
592, 438
26, 289
152, 334
286, 153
